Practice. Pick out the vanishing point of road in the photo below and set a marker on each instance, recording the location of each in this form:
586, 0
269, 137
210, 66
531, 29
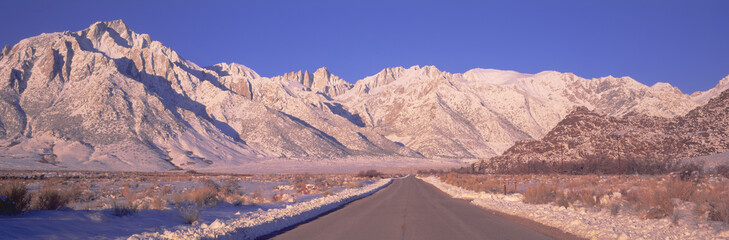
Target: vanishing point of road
411, 209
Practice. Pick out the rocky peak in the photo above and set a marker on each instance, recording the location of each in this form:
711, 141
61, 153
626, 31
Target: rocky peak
234, 70
322, 71
321, 81
116, 27
666, 87
115, 38
5, 50
390, 75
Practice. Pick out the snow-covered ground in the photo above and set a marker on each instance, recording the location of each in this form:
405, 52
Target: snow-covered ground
259, 223
257, 205
592, 223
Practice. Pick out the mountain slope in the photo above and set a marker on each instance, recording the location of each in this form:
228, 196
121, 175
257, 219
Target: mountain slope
108, 98
634, 138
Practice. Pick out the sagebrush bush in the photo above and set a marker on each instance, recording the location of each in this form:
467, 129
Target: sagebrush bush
51, 199
121, 209
14, 199
188, 213
541, 194
204, 196
677, 188
658, 203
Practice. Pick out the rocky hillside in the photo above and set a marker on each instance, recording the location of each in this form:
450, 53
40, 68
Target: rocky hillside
636, 139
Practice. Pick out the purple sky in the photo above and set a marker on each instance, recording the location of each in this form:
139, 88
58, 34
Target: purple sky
685, 43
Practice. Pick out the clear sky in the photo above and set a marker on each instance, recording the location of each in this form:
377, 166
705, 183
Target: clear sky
685, 43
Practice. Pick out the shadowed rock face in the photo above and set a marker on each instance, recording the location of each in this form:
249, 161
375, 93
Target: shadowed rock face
585, 135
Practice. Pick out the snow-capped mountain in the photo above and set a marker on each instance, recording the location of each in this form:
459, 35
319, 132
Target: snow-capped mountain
108, 98
482, 112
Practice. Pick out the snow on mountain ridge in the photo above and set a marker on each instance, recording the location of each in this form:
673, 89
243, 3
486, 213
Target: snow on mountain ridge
482, 112
128, 102
494, 76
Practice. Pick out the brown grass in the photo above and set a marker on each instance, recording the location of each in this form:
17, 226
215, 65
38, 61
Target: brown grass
651, 196
203, 196
587, 197
541, 194
683, 190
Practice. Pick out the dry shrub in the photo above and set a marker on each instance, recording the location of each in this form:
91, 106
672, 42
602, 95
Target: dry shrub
478, 183
121, 209
369, 173
204, 196
209, 183
14, 199
562, 200
188, 213
677, 188
657, 202
157, 203
231, 187
129, 195
540, 194
713, 199
75, 194
582, 181
51, 199
587, 197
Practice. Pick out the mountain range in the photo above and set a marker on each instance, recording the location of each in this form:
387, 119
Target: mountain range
107, 98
